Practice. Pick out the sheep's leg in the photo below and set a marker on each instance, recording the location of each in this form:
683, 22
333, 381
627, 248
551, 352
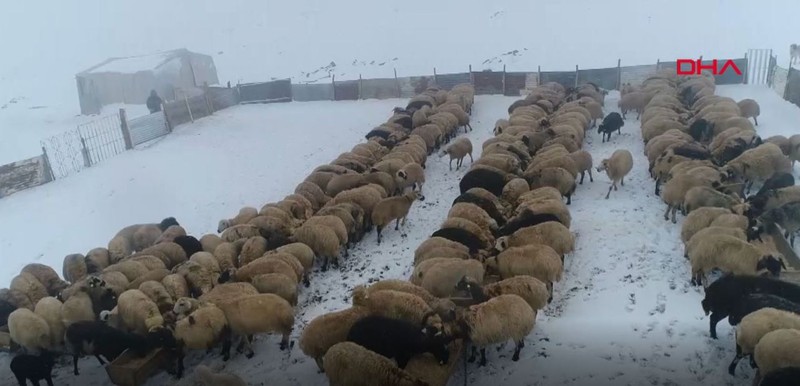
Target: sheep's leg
483, 357
622, 181
248, 346
319, 365
666, 214
756, 120
519, 347
451, 164
75, 364
179, 374
674, 213
379, 229
397, 224
403, 223
609, 190
470, 158
306, 282
324, 263
590, 175
735, 361
240, 346
583, 174
473, 354
49, 379
712, 323
470, 126
227, 342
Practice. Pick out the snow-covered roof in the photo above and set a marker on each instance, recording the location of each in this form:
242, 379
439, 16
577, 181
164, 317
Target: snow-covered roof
134, 64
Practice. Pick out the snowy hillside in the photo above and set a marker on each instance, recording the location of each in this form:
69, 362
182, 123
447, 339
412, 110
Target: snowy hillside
45, 43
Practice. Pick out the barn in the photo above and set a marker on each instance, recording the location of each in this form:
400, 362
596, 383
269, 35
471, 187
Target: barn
129, 80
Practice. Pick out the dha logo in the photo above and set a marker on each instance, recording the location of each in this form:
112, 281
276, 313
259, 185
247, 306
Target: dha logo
696, 67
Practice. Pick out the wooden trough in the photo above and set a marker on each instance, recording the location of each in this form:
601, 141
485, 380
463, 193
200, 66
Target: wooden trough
128, 370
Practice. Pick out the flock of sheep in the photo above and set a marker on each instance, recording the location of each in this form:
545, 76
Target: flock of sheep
481, 278
705, 156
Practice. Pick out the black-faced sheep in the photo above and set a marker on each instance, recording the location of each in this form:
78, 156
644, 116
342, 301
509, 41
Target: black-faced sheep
398, 339
611, 123
730, 254
526, 218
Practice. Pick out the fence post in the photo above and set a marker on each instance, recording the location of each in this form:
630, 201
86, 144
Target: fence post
504, 79
189, 108
619, 74
658, 64
538, 75
359, 86
48, 169
397, 83
126, 132
471, 76
788, 77
435, 81
87, 161
576, 76
166, 117
744, 81
333, 84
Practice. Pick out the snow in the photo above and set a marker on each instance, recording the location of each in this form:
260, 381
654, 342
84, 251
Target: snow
133, 64
624, 313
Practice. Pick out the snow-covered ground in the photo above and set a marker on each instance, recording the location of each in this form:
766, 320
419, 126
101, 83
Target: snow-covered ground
45, 43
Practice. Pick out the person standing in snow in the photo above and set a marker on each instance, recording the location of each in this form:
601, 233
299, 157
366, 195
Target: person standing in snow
154, 102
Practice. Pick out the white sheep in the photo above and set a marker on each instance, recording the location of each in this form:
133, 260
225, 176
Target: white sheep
617, 167
495, 321
537, 260
551, 233
457, 150
49, 309
393, 208
777, 349
137, 312
411, 175
29, 330
755, 325
731, 255
348, 364
260, 313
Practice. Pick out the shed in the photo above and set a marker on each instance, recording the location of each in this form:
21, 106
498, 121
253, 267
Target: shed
129, 80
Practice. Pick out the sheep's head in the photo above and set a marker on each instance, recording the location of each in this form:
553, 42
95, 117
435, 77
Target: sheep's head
223, 225
436, 344
167, 222
183, 306
501, 244
772, 264
359, 295
94, 281
603, 165
755, 229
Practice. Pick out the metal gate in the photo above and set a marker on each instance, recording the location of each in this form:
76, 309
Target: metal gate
147, 128
760, 64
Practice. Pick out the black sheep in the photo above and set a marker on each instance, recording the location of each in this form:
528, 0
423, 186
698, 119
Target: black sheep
611, 123
6, 309
378, 132
696, 152
105, 340
404, 121
462, 236
701, 130
525, 219
724, 294
189, 244
731, 151
167, 222
398, 339
487, 205
416, 105
483, 178
784, 376
33, 368
781, 180
754, 302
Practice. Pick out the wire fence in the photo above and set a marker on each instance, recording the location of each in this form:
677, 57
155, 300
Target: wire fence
102, 138
65, 153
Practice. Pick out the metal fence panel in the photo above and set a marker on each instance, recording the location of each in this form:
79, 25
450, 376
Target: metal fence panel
65, 153
102, 138
636, 74
413, 85
22, 175
603, 77
730, 76
278, 90
759, 66
312, 92
448, 81
222, 98
564, 78
793, 86
345, 90
488, 82
147, 128
379, 88
779, 77
515, 83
